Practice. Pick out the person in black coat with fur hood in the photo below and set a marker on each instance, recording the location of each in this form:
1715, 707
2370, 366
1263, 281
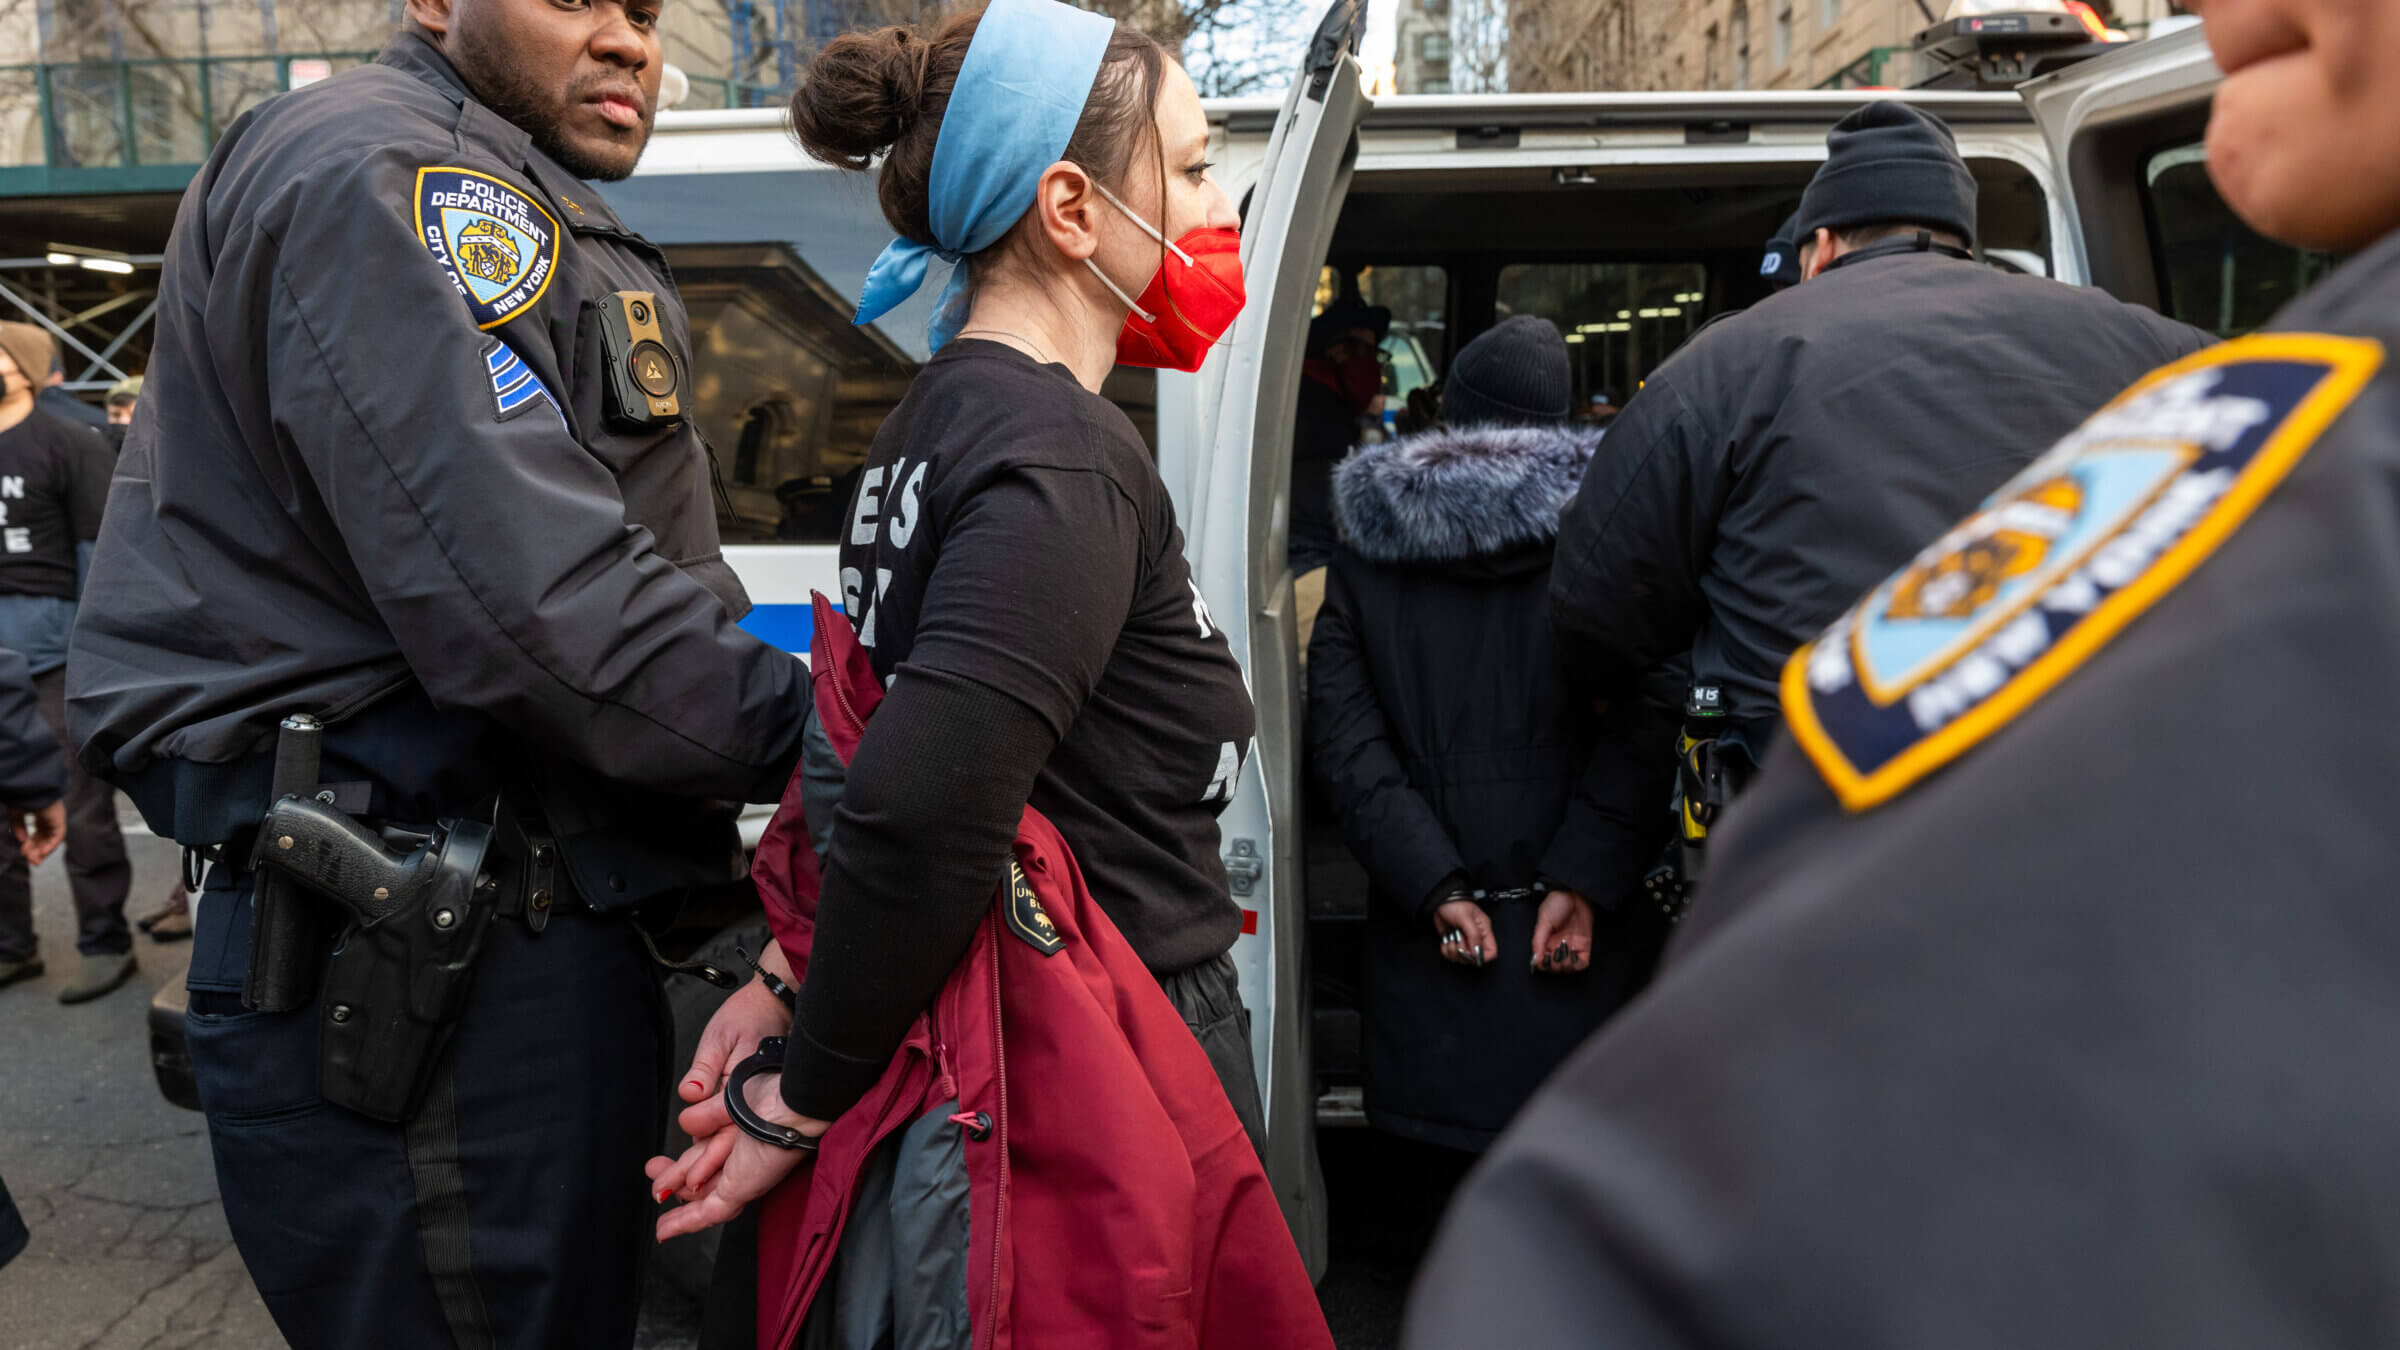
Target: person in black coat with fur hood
1470, 776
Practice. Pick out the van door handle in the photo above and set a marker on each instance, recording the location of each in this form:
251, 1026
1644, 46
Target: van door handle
1242, 866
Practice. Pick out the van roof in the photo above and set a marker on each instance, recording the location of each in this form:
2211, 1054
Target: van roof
1820, 107
1418, 111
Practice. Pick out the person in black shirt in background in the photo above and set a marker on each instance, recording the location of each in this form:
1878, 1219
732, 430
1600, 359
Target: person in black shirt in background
53, 482
1013, 564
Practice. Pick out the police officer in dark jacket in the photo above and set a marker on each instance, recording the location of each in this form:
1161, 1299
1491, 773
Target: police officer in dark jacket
1469, 776
404, 493
1779, 263
2054, 1007
1787, 457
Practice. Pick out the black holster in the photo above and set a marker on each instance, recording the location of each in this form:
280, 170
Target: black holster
398, 978
1711, 770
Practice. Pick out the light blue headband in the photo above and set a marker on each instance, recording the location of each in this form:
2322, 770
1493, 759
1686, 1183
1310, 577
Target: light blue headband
1020, 92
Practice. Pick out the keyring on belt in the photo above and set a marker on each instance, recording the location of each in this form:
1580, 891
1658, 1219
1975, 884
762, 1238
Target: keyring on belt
767, 1059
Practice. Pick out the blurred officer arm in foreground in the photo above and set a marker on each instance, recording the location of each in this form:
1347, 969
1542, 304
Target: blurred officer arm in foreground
1632, 545
489, 539
33, 774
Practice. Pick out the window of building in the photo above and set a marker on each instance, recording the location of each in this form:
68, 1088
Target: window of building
2215, 272
1782, 40
1436, 86
1437, 8
1433, 47
1713, 54
1829, 13
1620, 319
1741, 46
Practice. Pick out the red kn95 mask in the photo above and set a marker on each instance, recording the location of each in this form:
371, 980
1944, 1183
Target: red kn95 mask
1189, 303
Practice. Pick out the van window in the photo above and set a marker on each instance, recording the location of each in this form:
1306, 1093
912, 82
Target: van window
2215, 272
786, 390
1620, 319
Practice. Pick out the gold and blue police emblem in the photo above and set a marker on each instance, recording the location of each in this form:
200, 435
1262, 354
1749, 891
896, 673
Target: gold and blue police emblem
1991, 616
498, 245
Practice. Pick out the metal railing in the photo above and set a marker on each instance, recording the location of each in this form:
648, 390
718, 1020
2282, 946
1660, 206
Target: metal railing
134, 126
146, 126
708, 91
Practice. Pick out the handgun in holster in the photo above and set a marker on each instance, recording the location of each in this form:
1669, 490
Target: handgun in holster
412, 924
1711, 769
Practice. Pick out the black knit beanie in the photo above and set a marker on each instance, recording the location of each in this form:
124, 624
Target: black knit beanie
1515, 374
1890, 164
1781, 264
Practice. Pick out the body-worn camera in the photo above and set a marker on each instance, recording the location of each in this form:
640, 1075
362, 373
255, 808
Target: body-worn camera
645, 381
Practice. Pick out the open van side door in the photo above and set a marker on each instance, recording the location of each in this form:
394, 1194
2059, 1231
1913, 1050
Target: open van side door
2127, 134
2104, 119
1247, 396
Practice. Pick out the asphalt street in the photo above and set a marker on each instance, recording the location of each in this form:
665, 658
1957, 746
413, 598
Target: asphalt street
130, 1249
129, 1244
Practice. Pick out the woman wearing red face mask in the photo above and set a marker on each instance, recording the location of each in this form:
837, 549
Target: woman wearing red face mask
1013, 573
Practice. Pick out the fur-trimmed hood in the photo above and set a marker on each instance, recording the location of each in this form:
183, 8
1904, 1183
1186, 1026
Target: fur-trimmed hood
1453, 493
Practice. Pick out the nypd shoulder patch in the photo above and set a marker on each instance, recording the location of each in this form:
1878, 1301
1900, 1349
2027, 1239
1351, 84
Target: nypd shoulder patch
514, 385
1995, 613
498, 244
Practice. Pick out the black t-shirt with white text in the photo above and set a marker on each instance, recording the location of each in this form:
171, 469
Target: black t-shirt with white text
1063, 586
53, 482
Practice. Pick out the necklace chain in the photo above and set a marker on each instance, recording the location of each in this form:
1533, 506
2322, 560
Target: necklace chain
1034, 349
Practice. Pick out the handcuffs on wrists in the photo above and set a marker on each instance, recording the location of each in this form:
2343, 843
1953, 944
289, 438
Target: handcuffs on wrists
789, 995
767, 1059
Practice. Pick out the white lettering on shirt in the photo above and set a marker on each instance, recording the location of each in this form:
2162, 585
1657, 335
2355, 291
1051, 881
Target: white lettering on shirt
1229, 768
862, 524
866, 626
20, 539
12, 486
1200, 610
905, 514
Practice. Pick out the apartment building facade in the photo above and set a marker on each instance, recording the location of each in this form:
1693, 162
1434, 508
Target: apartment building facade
1728, 44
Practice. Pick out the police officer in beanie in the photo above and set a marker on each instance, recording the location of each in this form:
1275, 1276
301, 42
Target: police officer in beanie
1782, 460
431, 487
2054, 1007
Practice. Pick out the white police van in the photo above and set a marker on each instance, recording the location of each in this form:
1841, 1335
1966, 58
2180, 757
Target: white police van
1629, 219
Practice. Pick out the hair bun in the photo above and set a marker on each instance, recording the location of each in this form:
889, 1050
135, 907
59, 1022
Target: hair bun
862, 94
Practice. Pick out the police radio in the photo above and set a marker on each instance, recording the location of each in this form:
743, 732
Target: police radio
645, 382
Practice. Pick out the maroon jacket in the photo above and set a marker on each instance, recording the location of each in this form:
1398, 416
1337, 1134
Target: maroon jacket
1115, 1201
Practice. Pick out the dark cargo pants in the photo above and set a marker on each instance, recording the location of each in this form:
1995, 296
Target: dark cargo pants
97, 871
1209, 996
511, 1212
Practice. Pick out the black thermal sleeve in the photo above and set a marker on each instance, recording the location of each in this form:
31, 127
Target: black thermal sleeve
926, 822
